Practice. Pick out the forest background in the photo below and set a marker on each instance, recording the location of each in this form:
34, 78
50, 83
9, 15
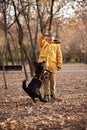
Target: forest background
21, 21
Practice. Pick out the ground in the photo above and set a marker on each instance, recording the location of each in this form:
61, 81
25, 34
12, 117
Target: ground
68, 112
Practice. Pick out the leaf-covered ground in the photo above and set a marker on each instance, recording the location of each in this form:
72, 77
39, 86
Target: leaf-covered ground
68, 112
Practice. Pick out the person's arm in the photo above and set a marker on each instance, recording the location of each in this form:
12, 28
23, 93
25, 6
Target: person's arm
40, 40
59, 57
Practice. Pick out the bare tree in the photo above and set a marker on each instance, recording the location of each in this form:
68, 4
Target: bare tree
20, 37
45, 10
4, 26
28, 18
82, 16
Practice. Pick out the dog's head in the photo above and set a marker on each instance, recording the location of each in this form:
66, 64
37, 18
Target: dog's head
39, 67
41, 71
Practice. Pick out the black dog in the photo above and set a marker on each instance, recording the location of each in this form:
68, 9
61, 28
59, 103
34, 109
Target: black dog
33, 89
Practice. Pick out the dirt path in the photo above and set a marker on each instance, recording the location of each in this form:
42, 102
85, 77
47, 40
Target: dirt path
68, 112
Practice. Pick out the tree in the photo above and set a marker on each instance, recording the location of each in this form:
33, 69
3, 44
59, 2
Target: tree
82, 17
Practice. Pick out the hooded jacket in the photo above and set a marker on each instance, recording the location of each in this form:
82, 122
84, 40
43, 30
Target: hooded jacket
50, 53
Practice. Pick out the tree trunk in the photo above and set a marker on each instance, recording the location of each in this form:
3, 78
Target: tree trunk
10, 53
20, 37
51, 15
2, 59
5, 31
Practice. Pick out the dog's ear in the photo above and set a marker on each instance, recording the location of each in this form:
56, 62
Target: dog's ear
35, 63
43, 63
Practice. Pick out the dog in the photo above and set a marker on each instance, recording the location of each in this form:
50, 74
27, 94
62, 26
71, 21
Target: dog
33, 89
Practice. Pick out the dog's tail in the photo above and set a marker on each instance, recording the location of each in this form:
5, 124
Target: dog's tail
24, 86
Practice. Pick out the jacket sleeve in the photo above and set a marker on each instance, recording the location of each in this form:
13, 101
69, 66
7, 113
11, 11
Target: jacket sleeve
59, 56
40, 40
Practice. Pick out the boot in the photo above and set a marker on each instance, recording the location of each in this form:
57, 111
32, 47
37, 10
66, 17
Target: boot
53, 96
46, 98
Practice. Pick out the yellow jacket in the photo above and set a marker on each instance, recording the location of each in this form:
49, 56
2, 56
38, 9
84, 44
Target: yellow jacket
50, 53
